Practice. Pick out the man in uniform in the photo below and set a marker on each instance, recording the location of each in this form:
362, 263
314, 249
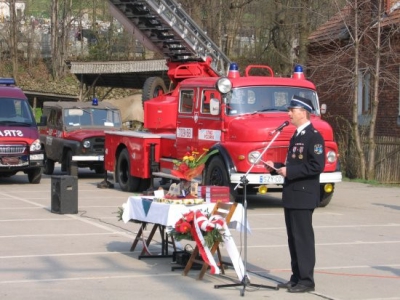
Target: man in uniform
305, 161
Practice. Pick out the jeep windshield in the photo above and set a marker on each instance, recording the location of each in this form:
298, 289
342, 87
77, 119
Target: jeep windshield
16, 112
92, 117
265, 99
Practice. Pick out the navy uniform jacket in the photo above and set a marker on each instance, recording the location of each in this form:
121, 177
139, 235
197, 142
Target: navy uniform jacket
304, 163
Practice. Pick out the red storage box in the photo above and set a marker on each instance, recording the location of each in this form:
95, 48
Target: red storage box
214, 193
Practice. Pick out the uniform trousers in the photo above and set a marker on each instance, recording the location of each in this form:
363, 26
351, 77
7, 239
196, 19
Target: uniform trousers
301, 245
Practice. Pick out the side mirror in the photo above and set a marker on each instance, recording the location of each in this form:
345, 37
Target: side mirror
214, 106
323, 108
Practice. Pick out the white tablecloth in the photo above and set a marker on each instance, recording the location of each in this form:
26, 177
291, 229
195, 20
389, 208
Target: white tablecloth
141, 208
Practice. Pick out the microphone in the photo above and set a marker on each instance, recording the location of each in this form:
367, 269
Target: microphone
284, 124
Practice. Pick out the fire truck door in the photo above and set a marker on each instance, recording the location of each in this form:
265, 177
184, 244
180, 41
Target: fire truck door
208, 126
186, 136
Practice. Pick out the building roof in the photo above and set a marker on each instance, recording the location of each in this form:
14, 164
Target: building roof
332, 30
119, 74
335, 28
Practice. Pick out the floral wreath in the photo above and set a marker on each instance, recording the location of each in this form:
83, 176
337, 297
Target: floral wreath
204, 229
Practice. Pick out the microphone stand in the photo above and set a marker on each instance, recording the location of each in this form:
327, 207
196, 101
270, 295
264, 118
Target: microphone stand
243, 180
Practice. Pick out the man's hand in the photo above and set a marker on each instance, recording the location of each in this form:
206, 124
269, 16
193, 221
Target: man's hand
269, 165
281, 171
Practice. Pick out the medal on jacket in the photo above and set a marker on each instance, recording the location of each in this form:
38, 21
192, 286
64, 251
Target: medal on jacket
294, 152
301, 152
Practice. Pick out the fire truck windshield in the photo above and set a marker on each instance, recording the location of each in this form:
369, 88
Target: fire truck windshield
16, 112
266, 99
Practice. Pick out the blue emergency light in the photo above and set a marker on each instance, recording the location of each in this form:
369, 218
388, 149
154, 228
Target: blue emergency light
233, 70
298, 72
7, 81
95, 102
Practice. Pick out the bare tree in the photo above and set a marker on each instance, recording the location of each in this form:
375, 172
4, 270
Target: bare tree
54, 38
13, 38
352, 50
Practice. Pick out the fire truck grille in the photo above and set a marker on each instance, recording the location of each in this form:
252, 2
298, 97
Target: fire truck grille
12, 149
98, 145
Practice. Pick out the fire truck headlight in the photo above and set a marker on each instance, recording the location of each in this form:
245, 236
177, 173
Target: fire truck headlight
224, 85
35, 146
331, 156
86, 144
253, 156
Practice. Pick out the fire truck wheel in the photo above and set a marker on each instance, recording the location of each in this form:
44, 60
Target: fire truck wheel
48, 167
35, 175
325, 197
216, 174
127, 182
153, 87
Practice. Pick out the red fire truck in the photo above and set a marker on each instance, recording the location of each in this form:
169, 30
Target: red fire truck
209, 108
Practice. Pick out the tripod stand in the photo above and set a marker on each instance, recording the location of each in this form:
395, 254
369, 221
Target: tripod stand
244, 181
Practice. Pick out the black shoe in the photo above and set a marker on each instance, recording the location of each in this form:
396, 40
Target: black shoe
299, 288
286, 285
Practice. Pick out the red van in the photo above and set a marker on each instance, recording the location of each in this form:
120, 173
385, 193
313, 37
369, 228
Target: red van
20, 148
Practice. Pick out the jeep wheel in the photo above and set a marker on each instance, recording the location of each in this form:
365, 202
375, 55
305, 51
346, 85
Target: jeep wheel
216, 174
35, 175
48, 167
127, 182
153, 87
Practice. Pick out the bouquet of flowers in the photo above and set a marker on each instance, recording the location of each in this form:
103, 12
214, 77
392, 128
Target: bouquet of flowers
191, 164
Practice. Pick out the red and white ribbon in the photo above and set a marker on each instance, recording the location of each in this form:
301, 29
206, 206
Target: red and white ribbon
202, 223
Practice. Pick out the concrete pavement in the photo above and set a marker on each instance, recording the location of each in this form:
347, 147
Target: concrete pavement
44, 255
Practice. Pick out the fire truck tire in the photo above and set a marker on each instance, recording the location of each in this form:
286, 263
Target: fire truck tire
35, 175
153, 87
216, 174
127, 182
48, 167
325, 197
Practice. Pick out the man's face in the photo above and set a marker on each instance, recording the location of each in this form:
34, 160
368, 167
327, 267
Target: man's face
297, 116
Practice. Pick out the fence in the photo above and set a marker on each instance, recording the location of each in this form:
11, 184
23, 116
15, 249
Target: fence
387, 159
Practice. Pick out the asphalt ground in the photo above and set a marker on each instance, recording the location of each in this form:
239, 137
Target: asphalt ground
44, 255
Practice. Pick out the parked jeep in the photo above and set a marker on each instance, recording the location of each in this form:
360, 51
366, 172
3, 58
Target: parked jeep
20, 148
74, 133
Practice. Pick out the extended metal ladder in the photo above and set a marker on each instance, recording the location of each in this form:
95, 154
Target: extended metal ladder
164, 27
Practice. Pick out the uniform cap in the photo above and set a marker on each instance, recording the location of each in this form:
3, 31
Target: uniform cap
300, 102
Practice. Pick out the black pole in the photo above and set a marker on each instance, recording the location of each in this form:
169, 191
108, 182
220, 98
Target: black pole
105, 184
